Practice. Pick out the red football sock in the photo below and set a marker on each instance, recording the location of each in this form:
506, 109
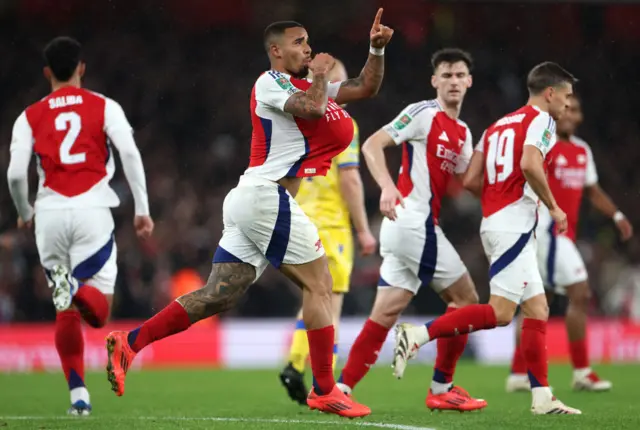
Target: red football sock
534, 349
171, 320
70, 347
518, 365
364, 353
449, 351
321, 355
462, 321
579, 354
93, 305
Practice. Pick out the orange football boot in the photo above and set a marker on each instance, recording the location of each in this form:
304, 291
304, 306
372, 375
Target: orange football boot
119, 358
336, 402
456, 399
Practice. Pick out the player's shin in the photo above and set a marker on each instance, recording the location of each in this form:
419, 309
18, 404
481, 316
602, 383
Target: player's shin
70, 346
364, 353
450, 350
226, 284
576, 322
534, 350
321, 335
462, 321
299, 347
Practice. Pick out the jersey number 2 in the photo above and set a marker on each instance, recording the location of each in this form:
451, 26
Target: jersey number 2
69, 121
500, 153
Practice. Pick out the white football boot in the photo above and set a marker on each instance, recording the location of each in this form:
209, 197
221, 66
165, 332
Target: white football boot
409, 339
64, 287
588, 380
545, 403
517, 383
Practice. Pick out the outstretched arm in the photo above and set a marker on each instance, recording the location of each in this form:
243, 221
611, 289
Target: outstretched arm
368, 83
602, 201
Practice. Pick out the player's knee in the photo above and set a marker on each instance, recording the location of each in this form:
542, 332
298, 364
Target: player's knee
536, 308
580, 295
504, 310
386, 317
461, 293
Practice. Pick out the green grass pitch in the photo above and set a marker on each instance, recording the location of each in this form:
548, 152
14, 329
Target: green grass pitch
254, 399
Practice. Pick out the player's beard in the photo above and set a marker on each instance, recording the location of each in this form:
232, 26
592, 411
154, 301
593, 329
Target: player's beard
302, 73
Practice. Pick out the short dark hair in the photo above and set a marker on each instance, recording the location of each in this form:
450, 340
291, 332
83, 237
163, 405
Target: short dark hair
451, 55
548, 74
276, 29
62, 55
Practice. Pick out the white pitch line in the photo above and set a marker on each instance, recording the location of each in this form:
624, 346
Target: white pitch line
242, 420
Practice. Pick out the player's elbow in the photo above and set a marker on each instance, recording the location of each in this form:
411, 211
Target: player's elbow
469, 182
15, 176
528, 165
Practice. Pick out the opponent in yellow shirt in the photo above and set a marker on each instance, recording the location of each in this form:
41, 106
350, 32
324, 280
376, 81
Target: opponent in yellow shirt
332, 202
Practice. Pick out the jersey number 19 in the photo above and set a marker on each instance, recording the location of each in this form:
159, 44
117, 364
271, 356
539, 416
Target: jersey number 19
500, 154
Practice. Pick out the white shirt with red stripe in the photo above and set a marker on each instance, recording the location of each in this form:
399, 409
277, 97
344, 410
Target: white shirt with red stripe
570, 168
434, 147
286, 146
508, 202
71, 132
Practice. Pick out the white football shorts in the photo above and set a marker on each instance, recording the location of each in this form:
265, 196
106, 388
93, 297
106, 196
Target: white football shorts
559, 261
81, 240
513, 270
416, 252
263, 225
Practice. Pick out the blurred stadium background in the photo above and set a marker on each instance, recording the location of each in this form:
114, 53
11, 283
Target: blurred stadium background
183, 70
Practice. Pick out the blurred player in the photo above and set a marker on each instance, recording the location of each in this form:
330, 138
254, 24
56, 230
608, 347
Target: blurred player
571, 170
71, 132
508, 168
298, 127
329, 201
436, 146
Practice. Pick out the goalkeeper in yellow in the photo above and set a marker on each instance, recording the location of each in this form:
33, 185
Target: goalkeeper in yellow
332, 202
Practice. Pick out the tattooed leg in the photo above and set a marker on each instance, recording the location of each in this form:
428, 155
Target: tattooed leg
226, 284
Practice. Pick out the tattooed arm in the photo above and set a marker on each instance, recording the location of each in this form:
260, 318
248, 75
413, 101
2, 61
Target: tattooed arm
366, 85
311, 104
226, 284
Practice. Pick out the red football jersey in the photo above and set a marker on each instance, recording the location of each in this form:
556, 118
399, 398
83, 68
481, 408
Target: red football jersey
284, 145
508, 203
434, 147
570, 168
69, 133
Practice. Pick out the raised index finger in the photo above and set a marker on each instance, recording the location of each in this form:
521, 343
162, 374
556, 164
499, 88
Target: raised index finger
376, 20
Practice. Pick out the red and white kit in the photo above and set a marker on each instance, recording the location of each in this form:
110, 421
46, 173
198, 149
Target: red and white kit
263, 224
414, 249
570, 168
509, 205
71, 132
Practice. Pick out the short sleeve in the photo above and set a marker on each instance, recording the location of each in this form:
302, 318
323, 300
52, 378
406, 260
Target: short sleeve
465, 154
274, 89
350, 157
591, 177
541, 133
480, 145
333, 88
21, 136
411, 124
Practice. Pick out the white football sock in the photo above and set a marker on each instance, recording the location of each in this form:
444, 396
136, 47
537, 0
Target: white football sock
80, 393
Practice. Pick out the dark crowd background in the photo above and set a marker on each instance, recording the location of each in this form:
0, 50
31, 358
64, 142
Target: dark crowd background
183, 71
